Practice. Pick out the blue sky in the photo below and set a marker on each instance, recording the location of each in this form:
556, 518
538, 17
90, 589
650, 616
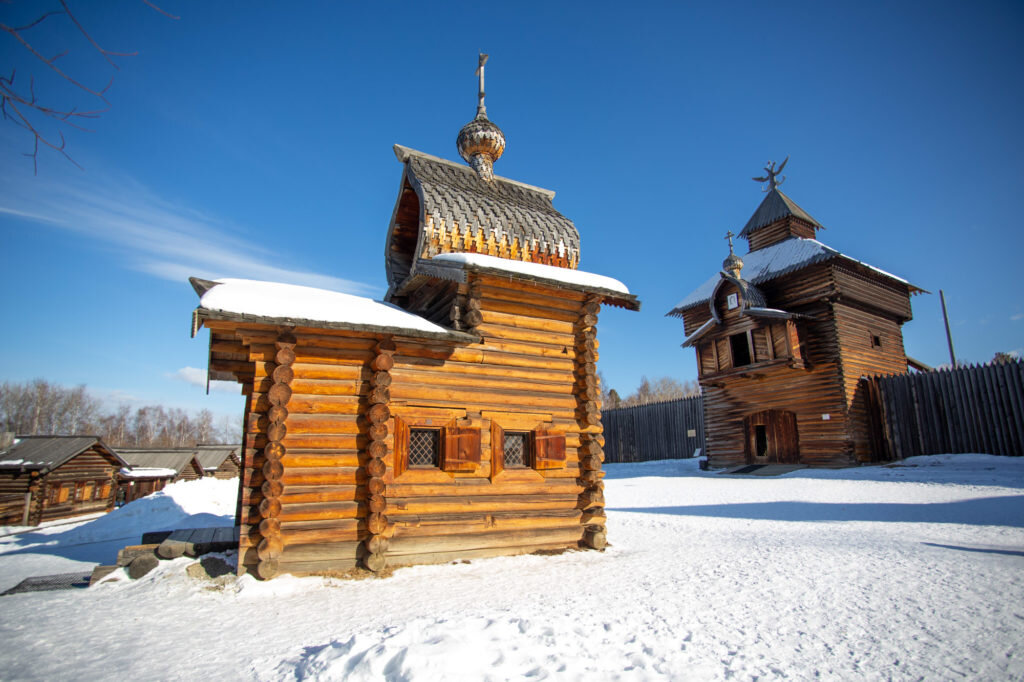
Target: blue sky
255, 141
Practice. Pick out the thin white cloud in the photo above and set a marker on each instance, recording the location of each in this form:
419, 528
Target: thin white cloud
197, 377
158, 237
1017, 317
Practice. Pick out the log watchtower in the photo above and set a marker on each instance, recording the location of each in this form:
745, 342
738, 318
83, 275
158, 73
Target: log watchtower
782, 337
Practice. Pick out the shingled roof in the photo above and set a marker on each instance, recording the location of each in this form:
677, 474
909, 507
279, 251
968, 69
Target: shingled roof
49, 452
167, 458
452, 196
776, 206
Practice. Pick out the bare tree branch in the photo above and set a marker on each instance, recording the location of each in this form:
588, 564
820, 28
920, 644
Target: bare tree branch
19, 106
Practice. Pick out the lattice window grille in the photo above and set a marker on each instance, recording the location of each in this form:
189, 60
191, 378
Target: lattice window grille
515, 450
424, 447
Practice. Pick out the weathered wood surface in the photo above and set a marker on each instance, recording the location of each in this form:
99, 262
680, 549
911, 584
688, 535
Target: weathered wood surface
655, 431
978, 408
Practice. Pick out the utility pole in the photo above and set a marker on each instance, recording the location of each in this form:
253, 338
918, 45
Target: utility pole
949, 337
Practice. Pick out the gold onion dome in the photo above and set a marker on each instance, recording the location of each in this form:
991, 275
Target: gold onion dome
732, 264
480, 141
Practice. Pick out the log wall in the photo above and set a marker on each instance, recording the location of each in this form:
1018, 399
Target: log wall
322, 488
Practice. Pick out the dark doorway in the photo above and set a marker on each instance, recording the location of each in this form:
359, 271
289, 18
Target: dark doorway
771, 436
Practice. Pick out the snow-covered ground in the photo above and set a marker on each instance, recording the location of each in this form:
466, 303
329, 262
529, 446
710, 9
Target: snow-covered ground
907, 572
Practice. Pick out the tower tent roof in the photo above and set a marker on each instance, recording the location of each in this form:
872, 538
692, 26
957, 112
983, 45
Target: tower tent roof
460, 212
776, 206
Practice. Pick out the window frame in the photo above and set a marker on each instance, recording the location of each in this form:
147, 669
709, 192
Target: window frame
545, 449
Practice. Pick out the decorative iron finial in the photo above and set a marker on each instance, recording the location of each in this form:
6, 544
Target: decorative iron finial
480, 142
481, 109
732, 264
772, 175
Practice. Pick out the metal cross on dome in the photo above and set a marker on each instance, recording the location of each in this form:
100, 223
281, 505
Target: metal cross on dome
772, 175
729, 235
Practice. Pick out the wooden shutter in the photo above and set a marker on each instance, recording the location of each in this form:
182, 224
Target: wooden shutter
401, 446
548, 449
497, 449
461, 449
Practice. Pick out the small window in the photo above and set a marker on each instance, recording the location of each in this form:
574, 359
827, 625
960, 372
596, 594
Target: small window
424, 448
740, 349
876, 340
516, 449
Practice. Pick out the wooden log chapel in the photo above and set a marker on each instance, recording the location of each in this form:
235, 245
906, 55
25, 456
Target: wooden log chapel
460, 418
783, 336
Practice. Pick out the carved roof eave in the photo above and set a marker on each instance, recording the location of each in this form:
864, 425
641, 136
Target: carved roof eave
456, 272
409, 178
201, 314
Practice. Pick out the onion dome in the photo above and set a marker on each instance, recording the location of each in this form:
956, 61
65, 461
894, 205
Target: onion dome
480, 142
732, 264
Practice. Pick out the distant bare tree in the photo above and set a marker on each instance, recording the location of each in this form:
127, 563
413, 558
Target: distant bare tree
662, 389
40, 408
42, 119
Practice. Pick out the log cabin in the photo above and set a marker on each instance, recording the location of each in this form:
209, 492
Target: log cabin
44, 478
783, 335
151, 469
458, 418
219, 461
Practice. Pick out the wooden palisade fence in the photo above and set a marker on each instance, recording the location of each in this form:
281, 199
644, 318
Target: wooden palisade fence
673, 429
968, 409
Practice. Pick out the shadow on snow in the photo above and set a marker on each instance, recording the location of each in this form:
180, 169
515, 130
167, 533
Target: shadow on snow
1005, 510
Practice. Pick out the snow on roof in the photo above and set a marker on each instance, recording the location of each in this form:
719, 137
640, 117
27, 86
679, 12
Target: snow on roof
538, 270
147, 472
13, 462
774, 261
294, 302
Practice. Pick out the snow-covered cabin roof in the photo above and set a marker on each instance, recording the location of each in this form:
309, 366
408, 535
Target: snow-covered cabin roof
175, 459
147, 472
453, 267
276, 303
212, 457
775, 206
439, 197
776, 260
50, 452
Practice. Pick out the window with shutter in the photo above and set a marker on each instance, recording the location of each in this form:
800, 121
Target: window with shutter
424, 445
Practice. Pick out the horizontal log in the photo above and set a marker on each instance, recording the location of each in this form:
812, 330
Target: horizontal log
399, 506
313, 459
463, 524
477, 487
323, 476
410, 546
453, 375
536, 323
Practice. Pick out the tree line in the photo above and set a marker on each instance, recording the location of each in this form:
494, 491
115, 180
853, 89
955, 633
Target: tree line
657, 391
41, 408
